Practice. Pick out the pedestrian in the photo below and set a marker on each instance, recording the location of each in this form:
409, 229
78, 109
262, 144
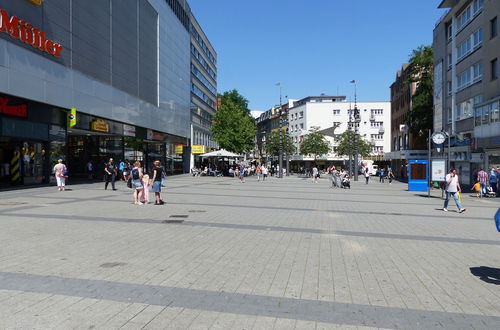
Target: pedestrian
482, 178
477, 188
453, 189
121, 165
61, 173
333, 174
258, 170
265, 172
315, 174
126, 170
136, 176
382, 175
367, 175
90, 170
146, 183
242, 173
157, 175
390, 176
110, 174
494, 180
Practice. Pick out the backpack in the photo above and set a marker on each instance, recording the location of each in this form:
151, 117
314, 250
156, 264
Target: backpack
135, 174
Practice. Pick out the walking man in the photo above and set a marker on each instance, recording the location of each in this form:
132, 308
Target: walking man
367, 174
110, 174
482, 177
452, 189
494, 176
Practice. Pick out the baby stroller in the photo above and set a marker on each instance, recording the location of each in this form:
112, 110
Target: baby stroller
346, 182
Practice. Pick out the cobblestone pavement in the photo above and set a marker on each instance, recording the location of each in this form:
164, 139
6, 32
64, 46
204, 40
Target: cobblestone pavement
280, 254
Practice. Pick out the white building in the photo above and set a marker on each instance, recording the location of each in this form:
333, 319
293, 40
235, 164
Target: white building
327, 111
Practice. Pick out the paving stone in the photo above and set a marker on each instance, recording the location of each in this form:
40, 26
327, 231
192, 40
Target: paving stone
280, 254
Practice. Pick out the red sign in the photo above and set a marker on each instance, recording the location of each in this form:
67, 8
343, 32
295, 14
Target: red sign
24, 31
13, 110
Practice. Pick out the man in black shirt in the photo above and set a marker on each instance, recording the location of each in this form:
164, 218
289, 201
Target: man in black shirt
110, 174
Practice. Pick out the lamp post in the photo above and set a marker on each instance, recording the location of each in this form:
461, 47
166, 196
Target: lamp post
280, 158
357, 120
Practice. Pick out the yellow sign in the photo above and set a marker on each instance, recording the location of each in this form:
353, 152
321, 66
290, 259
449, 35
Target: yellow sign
198, 149
179, 149
36, 2
99, 125
72, 117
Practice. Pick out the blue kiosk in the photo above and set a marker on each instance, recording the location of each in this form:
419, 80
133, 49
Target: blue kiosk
418, 175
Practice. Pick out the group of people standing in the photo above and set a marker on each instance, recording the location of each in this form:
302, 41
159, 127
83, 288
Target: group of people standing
134, 174
339, 177
487, 183
141, 183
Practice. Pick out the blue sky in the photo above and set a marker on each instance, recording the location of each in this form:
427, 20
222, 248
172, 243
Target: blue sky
313, 46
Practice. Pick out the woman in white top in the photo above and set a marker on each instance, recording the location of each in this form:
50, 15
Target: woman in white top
315, 174
60, 174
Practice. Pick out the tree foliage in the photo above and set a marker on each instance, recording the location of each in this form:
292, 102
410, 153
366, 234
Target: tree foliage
420, 71
346, 144
314, 144
233, 126
273, 143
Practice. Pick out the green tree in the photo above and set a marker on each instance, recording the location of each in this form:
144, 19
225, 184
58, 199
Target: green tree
420, 71
346, 145
314, 144
233, 127
273, 143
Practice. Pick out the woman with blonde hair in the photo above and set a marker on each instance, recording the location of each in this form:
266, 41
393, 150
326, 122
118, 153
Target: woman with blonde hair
136, 174
158, 172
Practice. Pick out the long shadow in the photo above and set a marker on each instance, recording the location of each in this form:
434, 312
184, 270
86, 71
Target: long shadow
487, 274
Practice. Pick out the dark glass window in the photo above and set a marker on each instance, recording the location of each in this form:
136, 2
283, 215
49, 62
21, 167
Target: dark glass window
493, 27
494, 69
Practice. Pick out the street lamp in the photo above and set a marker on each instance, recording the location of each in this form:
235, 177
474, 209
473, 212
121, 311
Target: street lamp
280, 158
357, 120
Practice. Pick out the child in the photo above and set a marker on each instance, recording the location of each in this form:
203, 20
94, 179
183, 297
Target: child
477, 188
147, 184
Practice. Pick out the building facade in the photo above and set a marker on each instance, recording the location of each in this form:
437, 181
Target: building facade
334, 111
404, 144
467, 89
203, 89
124, 65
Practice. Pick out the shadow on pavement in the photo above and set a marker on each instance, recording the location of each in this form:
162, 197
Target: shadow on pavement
487, 274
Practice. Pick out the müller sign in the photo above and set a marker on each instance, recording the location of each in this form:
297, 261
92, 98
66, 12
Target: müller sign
24, 31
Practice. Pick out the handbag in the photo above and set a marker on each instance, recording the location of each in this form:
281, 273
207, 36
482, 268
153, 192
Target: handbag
129, 183
497, 219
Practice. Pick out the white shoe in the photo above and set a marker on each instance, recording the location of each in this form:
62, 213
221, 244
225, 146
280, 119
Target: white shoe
445, 209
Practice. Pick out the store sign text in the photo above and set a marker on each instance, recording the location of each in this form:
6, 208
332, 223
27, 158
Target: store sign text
24, 31
99, 125
13, 110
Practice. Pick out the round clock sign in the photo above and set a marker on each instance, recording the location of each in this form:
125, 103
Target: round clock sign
438, 137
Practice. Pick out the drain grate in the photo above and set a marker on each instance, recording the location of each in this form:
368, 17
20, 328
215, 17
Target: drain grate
12, 203
112, 264
197, 211
173, 221
179, 216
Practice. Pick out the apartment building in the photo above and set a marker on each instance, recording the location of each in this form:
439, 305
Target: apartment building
328, 111
203, 88
404, 144
466, 85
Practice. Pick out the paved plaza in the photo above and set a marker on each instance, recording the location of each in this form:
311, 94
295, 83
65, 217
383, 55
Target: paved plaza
280, 254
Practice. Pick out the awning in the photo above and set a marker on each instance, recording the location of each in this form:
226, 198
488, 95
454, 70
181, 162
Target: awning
221, 153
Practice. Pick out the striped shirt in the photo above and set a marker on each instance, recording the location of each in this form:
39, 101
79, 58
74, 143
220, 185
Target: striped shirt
482, 176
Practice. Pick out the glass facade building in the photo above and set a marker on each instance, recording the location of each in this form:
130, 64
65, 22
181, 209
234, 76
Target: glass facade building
124, 65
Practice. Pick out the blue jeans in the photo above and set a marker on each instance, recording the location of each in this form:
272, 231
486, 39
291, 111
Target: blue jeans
483, 188
455, 197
